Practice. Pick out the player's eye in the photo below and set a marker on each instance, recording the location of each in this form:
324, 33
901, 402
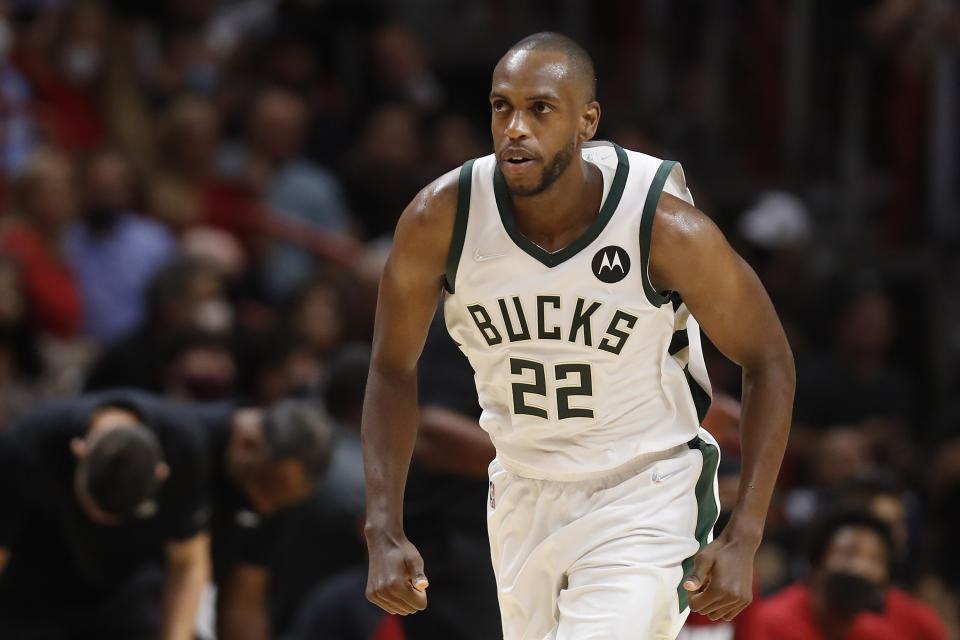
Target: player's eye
499, 105
542, 107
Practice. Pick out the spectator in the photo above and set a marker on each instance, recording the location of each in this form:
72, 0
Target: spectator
315, 316
454, 140
857, 383
840, 455
291, 186
401, 64
276, 365
115, 252
47, 202
847, 595
65, 71
21, 366
16, 119
188, 64
198, 366
95, 490
188, 137
885, 497
185, 295
387, 155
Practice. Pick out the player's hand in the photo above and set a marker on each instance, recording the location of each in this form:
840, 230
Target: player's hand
721, 585
396, 582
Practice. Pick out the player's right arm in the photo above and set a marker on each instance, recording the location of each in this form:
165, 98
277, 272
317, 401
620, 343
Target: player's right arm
409, 288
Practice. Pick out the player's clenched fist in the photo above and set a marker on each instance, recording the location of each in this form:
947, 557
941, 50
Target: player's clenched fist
396, 582
722, 582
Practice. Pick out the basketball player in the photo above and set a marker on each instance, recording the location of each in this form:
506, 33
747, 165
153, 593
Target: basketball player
573, 273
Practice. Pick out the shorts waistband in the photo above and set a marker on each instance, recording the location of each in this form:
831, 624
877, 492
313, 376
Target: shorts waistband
627, 468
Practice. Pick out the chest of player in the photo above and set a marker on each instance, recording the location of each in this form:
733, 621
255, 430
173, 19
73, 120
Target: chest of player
509, 296
593, 302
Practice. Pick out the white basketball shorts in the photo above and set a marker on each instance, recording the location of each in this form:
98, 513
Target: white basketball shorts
602, 559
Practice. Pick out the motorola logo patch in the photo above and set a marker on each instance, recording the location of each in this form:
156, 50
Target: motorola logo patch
611, 264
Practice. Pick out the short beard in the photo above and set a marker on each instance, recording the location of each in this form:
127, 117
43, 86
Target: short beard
551, 171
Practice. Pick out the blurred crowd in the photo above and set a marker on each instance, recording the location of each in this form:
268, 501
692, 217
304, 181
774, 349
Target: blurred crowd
198, 196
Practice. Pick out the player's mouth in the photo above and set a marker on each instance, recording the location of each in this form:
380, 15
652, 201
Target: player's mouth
516, 160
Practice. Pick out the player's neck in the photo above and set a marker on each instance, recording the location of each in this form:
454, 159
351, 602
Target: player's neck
557, 216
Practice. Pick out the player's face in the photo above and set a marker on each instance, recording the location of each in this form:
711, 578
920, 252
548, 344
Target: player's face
540, 115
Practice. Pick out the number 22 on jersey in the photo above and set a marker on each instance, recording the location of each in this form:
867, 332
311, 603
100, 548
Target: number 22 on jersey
526, 390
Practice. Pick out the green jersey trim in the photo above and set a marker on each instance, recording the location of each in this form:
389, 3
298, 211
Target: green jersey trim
646, 230
459, 225
707, 509
701, 399
589, 235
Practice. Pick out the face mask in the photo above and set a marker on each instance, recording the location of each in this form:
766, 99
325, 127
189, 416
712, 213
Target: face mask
81, 62
101, 219
851, 594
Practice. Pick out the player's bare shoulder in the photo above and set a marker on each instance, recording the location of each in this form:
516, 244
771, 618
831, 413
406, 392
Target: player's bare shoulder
682, 237
426, 226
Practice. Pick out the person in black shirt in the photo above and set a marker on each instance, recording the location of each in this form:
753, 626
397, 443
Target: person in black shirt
265, 462
103, 517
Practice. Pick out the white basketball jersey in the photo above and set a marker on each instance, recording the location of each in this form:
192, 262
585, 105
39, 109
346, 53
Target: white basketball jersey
581, 365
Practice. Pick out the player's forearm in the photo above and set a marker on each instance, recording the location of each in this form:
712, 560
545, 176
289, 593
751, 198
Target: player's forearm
388, 432
182, 590
765, 427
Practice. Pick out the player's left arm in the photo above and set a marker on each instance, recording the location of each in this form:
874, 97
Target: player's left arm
689, 255
186, 575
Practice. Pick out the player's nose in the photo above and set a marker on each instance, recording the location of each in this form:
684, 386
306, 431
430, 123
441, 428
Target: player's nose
517, 128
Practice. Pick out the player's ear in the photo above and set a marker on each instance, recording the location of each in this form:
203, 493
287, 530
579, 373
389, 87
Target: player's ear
162, 471
589, 120
78, 447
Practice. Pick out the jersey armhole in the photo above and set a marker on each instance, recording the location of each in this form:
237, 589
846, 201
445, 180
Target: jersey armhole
655, 297
459, 225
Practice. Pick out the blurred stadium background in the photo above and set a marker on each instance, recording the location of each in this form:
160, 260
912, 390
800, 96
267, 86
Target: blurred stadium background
198, 195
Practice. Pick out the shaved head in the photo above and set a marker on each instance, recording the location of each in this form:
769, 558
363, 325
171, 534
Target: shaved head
542, 110
579, 63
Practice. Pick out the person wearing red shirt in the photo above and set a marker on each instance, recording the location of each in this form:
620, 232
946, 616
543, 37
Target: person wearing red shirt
847, 596
47, 202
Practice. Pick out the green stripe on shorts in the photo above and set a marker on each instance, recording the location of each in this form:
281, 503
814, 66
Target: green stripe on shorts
707, 508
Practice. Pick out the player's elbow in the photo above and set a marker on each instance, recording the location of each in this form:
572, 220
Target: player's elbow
775, 364
786, 364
